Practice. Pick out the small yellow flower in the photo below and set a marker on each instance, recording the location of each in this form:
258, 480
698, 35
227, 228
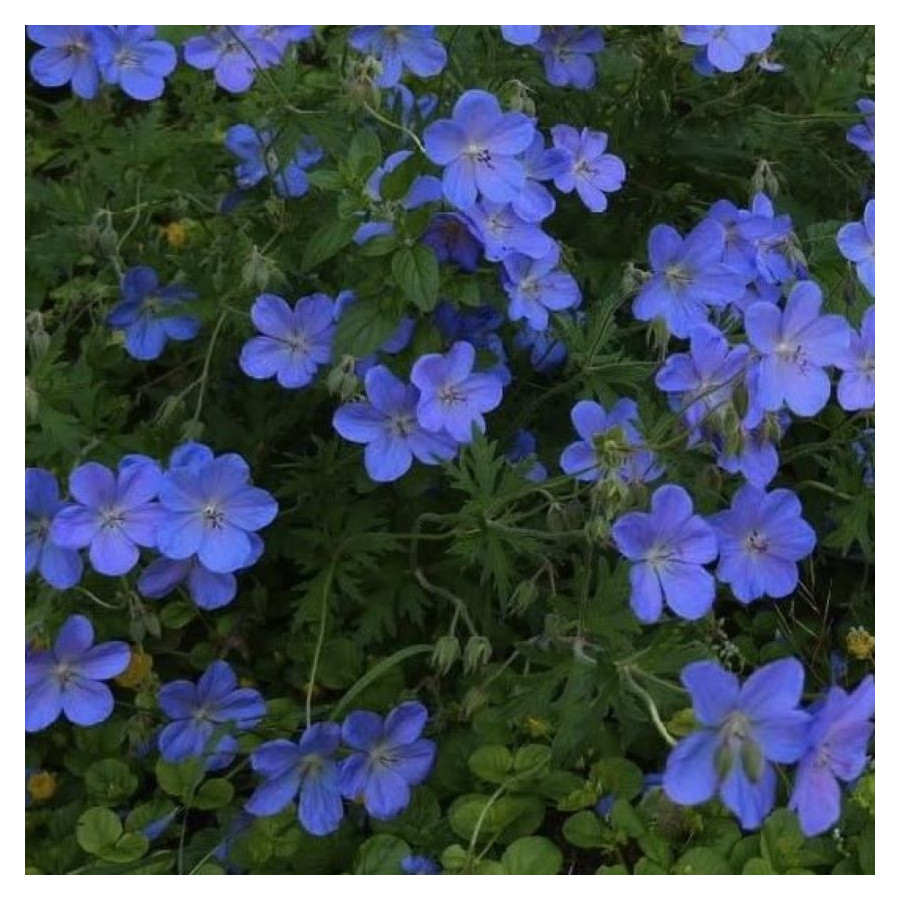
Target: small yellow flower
860, 644
139, 667
42, 786
175, 234
537, 727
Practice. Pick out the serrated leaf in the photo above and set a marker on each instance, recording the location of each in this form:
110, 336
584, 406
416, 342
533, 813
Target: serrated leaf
417, 275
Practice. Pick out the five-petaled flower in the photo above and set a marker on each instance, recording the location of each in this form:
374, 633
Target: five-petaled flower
668, 548
591, 171
144, 313
744, 729
856, 389
294, 342
761, 539
838, 741
113, 514
478, 148
390, 758
69, 678
212, 512
453, 398
306, 767
386, 423
856, 241
198, 711
400, 46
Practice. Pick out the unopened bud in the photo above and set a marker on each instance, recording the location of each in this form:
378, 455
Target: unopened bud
446, 652
477, 653
523, 596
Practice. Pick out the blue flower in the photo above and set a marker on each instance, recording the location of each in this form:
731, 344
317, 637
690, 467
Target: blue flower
58, 566
453, 397
794, 346
669, 547
130, 56
294, 342
69, 55
523, 448
478, 327
142, 313
534, 202
390, 759
701, 383
856, 389
386, 423
863, 135
547, 351
258, 160
688, 278
838, 741
68, 679
856, 242
610, 442
757, 457
502, 231
591, 171
478, 148
209, 590
234, 52
424, 189
536, 287
521, 35
450, 236
743, 731
282, 36
212, 511
112, 514
726, 47
307, 767
419, 865
761, 539
567, 50
198, 711
399, 46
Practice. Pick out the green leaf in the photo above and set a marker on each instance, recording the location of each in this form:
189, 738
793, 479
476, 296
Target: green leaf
395, 185
179, 779
364, 327
416, 272
381, 855
702, 861
584, 830
758, 866
110, 781
97, 830
127, 848
326, 179
326, 241
532, 856
624, 818
617, 869
364, 153
866, 850
505, 819
177, 614
532, 759
492, 762
619, 777
214, 794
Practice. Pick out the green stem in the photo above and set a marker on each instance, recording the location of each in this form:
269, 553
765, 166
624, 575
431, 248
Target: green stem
320, 640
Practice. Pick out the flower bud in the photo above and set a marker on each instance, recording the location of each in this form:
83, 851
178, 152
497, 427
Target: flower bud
446, 653
42, 785
477, 653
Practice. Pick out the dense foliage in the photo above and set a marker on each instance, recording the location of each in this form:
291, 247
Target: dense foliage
450, 450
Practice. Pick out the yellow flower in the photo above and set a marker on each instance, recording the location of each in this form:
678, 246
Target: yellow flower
860, 644
175, 234
139, 667
537, 727
42, 785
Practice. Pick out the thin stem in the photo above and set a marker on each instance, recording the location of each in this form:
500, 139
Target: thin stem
320, 640
386, 121
204, 374
634, 687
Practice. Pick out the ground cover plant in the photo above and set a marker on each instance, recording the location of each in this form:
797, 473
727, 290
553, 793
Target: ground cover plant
450, 449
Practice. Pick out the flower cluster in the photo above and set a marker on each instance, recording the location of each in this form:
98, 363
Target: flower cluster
386, 757
567, 51
201, 514
758, 542
744, 729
